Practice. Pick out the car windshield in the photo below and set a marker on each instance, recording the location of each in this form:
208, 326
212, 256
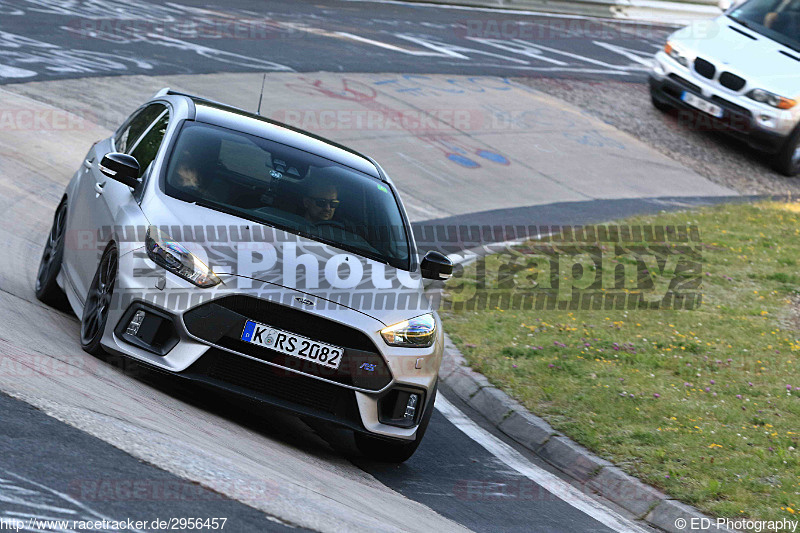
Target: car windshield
777, 19
280, 186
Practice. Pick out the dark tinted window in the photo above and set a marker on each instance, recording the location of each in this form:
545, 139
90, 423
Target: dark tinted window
127, 136
148, 147
287, 188
778, 19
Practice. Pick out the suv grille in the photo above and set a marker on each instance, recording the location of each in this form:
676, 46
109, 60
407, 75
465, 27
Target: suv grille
686, 83
704, 68
731, 81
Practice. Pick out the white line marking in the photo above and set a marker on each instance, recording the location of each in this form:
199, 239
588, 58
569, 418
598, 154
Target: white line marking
394, 48
65, 497
15, 72
556, 486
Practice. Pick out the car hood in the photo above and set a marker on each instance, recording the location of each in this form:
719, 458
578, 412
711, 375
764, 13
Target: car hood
764, 63
263, 261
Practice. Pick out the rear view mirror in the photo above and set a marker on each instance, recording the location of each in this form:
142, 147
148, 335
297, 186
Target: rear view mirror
122, 168
436, 266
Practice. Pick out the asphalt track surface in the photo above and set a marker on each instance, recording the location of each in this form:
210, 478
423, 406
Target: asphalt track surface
42, 40
451, 474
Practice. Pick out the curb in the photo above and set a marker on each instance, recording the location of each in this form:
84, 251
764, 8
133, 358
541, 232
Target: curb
596, 474
656, 11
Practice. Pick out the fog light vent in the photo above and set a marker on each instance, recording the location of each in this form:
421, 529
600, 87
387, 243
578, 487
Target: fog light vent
411, 407
136, 323
401, 408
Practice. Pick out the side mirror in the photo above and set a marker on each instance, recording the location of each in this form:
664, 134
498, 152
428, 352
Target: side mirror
122, 168
436, 266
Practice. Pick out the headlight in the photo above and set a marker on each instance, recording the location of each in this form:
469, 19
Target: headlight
675, 53
766, 97
177, 259
415, 333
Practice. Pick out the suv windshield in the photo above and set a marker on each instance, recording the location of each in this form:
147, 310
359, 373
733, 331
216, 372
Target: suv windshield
287, 188
777, 19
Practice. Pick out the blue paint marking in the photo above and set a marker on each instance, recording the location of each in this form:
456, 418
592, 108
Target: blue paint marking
491, 156
463, 161
247, 334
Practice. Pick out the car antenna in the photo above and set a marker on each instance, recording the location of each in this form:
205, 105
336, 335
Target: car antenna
261, 95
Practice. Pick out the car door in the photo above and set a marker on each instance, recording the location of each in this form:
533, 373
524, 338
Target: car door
100, 199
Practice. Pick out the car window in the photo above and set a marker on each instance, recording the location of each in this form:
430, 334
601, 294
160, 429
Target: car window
147, 148
777, 19
284, 187
244, 158
127, 136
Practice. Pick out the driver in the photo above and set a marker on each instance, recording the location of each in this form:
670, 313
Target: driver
320, 202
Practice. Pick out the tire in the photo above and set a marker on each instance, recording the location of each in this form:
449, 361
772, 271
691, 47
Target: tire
46, 287
658, 104
787, 161
98, 301
392, 451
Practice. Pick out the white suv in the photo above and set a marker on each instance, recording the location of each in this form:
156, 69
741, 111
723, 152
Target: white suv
742, 72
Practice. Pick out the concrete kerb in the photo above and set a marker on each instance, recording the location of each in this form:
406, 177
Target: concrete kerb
535, 434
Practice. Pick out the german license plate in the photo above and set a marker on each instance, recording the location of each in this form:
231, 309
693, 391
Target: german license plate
291, 344
703, 105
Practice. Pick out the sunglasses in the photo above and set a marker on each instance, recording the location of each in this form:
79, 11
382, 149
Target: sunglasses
324, 202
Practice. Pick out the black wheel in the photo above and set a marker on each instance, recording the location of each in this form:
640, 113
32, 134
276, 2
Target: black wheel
788, 159
392, 451
98, 301
46, 288
658, 104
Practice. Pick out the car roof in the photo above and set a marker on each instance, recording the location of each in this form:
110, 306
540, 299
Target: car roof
231, 117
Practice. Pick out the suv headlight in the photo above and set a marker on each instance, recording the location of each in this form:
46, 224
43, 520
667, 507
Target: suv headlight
418, 332
766, 97
177, 259
676, 53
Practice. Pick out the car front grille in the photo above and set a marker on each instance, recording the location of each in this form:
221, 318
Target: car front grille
704, 68
220, 322
265, 382
731, 107
731, 81
686, 83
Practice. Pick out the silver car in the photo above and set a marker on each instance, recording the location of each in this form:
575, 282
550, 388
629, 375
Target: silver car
220, 246
742, 72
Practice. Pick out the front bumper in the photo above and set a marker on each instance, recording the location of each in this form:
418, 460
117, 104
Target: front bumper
202, 344
668, 81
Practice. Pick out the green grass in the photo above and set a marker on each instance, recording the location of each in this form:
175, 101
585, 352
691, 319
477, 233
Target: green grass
694, 402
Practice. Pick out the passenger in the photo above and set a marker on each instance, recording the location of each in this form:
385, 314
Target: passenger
193, 175
187, 173
320, 202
